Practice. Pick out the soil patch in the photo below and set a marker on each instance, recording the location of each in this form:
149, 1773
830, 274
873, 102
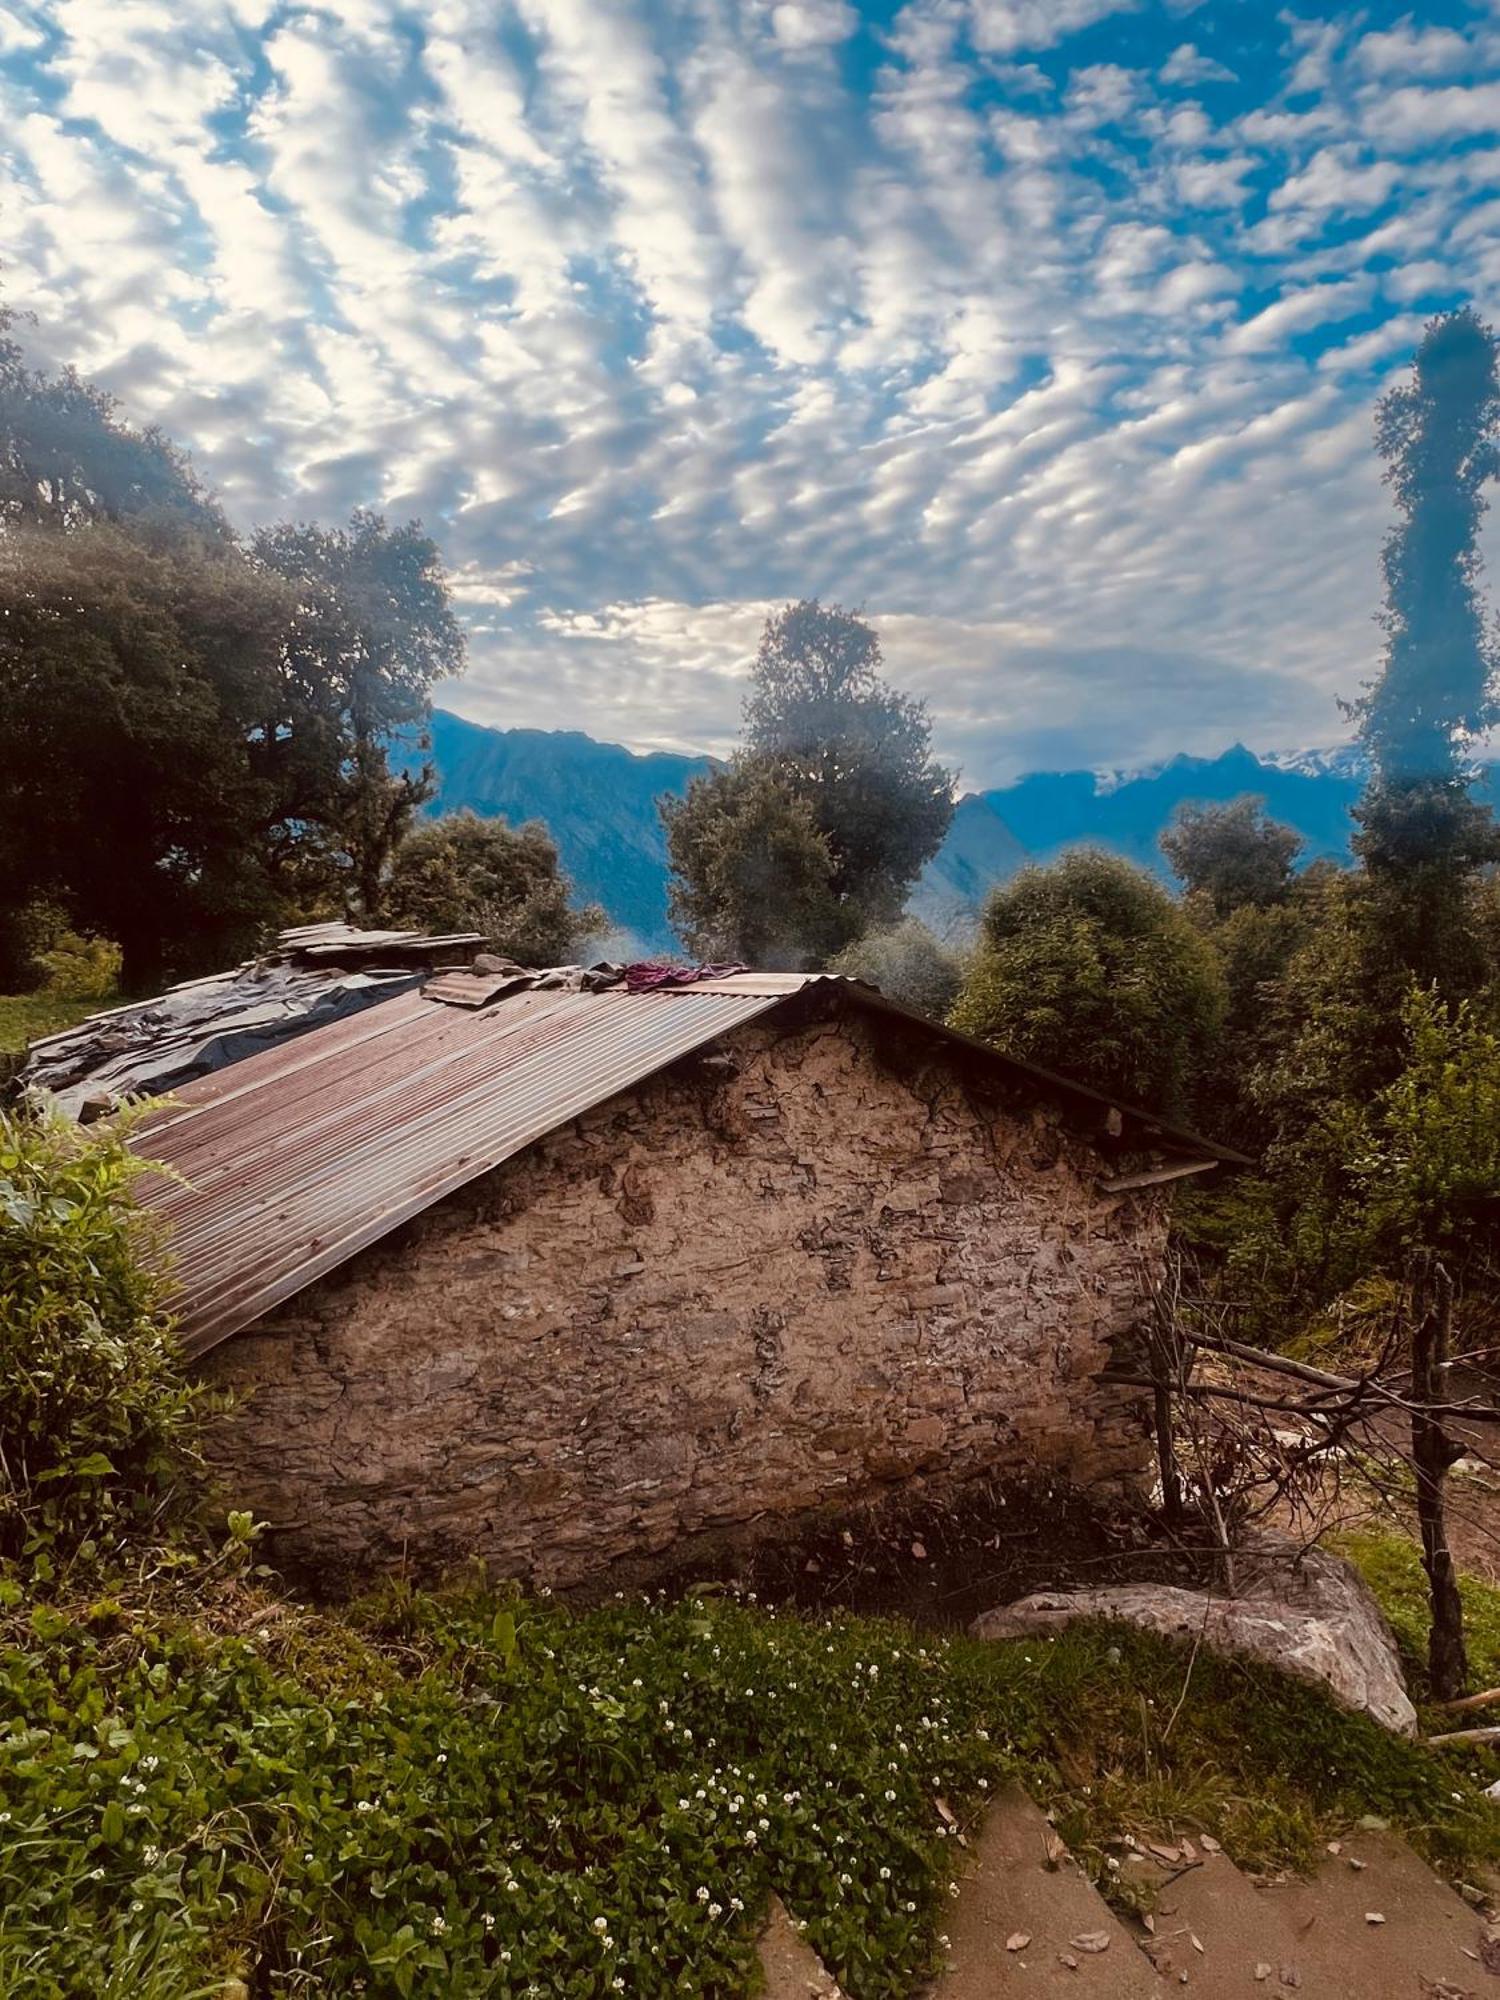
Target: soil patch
941, 1560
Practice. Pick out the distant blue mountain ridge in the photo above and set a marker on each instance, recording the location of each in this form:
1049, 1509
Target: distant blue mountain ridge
599, 802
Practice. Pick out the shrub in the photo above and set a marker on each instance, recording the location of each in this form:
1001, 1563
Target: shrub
97, 1426
908, 963
1089, 967
76, 967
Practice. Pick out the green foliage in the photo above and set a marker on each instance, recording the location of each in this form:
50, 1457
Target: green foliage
1090, 967
1439, 435
475, 1794
136, 669
74, 967
372, 629
195, 736
25, 1017
463, 873
97, 1428
907, 962
857, 752
1421, 834
1434, 1160
67, 459
1233, 855
752, 876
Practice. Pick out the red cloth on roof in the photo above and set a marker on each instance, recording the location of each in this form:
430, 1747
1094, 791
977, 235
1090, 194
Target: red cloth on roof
648, 978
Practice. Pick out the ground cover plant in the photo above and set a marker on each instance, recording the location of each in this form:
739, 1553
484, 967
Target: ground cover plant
471, 1792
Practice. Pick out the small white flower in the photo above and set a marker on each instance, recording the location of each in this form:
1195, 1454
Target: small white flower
601, 1924
439, 1925
702, 1894
885, 1874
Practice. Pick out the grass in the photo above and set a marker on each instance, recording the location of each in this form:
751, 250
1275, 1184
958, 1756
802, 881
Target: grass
1391, 1563
470, 1792
26, 1016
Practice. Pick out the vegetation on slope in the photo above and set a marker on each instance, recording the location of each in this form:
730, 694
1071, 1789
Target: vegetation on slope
472, 1793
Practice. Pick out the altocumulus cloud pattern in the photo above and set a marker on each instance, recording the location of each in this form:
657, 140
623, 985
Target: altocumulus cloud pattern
1046, 330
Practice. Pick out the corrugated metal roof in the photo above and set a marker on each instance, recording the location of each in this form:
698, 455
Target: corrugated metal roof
286, 1164
295, 1159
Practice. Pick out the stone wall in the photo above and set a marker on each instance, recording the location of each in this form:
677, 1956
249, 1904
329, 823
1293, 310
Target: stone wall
770, 1281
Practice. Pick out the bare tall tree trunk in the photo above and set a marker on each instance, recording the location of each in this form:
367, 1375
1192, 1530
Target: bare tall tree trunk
1433, 1452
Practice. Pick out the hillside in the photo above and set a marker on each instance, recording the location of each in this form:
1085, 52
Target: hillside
600, 802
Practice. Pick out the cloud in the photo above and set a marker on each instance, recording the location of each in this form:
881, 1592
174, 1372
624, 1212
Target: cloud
1187, 66
813, 24
1007, 26
1045, 334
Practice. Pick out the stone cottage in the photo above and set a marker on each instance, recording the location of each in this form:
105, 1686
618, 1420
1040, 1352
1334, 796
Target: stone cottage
568, 1279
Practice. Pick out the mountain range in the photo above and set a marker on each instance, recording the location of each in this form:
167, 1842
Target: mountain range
599, 801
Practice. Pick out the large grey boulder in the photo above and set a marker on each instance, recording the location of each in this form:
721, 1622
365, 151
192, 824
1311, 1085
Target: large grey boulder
1313, 1618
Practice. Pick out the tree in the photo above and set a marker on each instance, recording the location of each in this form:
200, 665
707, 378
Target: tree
1232, 855
136, 670
1091, 968
907, 962
859, 754
1422, 835
462, 873
752, 874
68, 460
372, 629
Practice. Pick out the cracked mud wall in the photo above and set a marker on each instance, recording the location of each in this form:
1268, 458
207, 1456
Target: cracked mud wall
774, 1281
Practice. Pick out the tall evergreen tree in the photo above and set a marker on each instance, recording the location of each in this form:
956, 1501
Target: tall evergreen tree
1421, 833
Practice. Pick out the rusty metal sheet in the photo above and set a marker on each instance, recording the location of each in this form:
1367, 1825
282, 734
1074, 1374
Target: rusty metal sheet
286, 1165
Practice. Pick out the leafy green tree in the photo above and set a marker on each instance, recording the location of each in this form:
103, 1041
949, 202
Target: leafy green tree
136, 669
752, 875
1089, 967
907, 962
820, 715
67, 459
463, 873
1432, 1173
372, 630
1232, 855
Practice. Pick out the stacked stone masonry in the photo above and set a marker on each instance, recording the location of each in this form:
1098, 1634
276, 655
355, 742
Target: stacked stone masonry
774, 1280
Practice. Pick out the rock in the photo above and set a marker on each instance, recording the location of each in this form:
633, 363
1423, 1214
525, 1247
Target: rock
789, 1968
1315, 1620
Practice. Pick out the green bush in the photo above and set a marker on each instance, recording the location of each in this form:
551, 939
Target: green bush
907, 962
1090, 967
97, 1426
75, 967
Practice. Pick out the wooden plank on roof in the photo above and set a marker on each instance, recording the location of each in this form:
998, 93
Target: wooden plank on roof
1175, 1170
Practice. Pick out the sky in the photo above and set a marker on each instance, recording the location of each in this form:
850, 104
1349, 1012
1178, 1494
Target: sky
1045, 332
